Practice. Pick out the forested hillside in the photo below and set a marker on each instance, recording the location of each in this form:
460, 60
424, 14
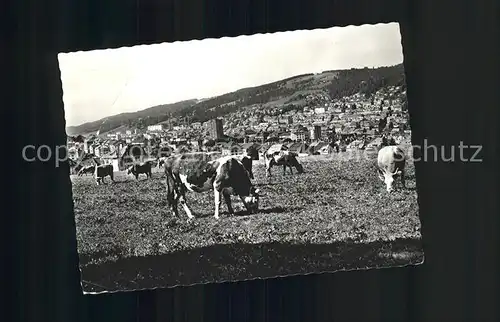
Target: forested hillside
138, 119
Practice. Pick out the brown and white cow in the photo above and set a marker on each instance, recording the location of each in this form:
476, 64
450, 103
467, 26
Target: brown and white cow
391, 162
140, 168
102, 171
89, 169
284, 158
226, 176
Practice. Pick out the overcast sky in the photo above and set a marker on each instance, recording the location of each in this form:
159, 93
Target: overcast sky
102, 83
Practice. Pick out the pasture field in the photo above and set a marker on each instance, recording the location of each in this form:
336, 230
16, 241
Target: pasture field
336, 216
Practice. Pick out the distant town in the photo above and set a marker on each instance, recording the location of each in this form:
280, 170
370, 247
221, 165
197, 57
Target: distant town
320, 126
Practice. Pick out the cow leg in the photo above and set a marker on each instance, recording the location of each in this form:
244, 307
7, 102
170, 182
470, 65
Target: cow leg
174, 209
137, 177
182, 201
227, 199
173, 195
268, 171
173, 200
217, 201
291, 169
403, 178
284, 169
111, 177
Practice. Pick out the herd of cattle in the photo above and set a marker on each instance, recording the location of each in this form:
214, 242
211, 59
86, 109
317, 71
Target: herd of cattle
232, 175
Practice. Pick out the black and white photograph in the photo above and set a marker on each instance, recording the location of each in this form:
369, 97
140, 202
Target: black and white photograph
240, 158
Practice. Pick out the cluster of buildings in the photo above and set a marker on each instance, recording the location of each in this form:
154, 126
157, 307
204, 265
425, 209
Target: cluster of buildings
349, 117
311, 130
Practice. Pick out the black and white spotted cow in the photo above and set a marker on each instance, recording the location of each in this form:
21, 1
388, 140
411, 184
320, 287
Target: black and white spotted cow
283, 158
225, 176
391, 162
102, 171
140, 168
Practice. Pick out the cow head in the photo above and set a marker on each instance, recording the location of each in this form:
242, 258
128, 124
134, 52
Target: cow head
252, 201
388, 178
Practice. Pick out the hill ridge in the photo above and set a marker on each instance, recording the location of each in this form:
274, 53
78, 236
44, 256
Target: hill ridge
334, 84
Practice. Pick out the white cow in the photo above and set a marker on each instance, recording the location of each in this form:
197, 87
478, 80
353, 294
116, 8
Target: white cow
391, 162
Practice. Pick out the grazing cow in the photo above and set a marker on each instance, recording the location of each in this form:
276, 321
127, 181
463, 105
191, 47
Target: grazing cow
86, 170
284, 158
102, 171
226, 176
391, 162
137, 169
